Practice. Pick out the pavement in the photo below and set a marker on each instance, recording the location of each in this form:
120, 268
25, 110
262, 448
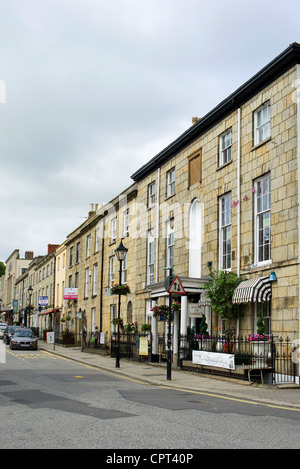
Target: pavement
283, 395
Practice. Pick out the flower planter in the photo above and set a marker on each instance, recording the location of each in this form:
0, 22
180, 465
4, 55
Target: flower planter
120, 290
261, 352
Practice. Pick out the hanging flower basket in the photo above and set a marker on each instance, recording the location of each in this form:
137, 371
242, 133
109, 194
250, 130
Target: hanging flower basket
131, 327
120, 290
161, 312
117, 321
29, 308
176, 307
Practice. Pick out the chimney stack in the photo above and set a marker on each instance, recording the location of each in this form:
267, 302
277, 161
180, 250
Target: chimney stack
52, 247
28, 255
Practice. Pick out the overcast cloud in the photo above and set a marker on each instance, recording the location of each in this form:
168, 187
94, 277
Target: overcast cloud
95, 88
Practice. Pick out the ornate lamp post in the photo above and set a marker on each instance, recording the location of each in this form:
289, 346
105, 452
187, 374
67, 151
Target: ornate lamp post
30, 290
120, 252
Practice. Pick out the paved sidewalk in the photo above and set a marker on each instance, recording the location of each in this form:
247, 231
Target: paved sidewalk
155, 374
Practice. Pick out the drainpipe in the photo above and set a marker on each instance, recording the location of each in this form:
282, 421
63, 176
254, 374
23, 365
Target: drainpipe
239, 193
239, 204
298, 165
101, 280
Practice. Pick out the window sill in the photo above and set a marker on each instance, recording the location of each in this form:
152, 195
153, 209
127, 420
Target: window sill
261, 143
224, 165
260, 265
169, 196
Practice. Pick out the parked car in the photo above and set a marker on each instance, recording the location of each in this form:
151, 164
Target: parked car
9, 332
3, 326
24, 338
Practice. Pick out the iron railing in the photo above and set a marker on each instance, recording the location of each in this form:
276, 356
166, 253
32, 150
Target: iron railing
272, 361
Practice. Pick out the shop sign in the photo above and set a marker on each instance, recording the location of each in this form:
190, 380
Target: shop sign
70, 293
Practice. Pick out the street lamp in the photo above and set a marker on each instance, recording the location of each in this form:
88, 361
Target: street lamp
30, 290
120, 252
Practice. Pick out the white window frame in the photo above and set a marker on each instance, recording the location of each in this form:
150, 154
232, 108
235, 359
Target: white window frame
225, 145
150, 258
262, 123
171, 182
97, 237
126, 222
113, 314
262, 225
86, 287
88, 246
113, 230
225, 232
151, 194
170, 244
93, 319
112, 263
95, 279
124, 276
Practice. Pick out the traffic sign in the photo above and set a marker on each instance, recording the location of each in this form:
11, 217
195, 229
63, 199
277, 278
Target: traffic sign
176, 287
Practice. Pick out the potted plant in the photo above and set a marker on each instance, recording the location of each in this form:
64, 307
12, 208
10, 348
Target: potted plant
176, 307
116, 321
260, 341
131, 327
119, 289
146, 327
161, 312
203, 334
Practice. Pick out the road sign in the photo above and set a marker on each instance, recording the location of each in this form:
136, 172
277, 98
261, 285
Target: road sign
176, 287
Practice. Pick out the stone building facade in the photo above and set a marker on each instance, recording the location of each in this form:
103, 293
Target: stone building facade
226, 195
92, 268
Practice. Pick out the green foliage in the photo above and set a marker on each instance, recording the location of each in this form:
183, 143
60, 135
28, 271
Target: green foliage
2, 268
260, 324
219, 289
203, 326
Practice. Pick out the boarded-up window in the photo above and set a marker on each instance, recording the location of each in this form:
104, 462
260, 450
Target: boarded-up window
195, 168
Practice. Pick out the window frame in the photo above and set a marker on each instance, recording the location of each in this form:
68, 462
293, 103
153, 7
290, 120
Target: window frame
151, 194
224, 149
95, 279
170, 244
225, 256
113, 230
171, 182
258, 127
260, 221
112, 267
86, 284
150, 258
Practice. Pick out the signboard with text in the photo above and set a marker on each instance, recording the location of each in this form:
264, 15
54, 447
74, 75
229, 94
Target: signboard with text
43, 300
70, 293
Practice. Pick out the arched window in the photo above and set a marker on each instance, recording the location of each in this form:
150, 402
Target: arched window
195, 240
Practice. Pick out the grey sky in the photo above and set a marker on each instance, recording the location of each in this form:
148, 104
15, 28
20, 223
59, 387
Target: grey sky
95, 88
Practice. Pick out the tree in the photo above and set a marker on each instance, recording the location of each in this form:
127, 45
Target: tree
219, 289
2, 268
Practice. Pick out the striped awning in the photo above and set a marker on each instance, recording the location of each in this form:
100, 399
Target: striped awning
254, 289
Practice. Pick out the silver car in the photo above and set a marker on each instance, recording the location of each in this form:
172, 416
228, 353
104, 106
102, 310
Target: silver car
24, 339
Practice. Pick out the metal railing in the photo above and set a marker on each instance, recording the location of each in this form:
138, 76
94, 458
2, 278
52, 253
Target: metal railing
272, 361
